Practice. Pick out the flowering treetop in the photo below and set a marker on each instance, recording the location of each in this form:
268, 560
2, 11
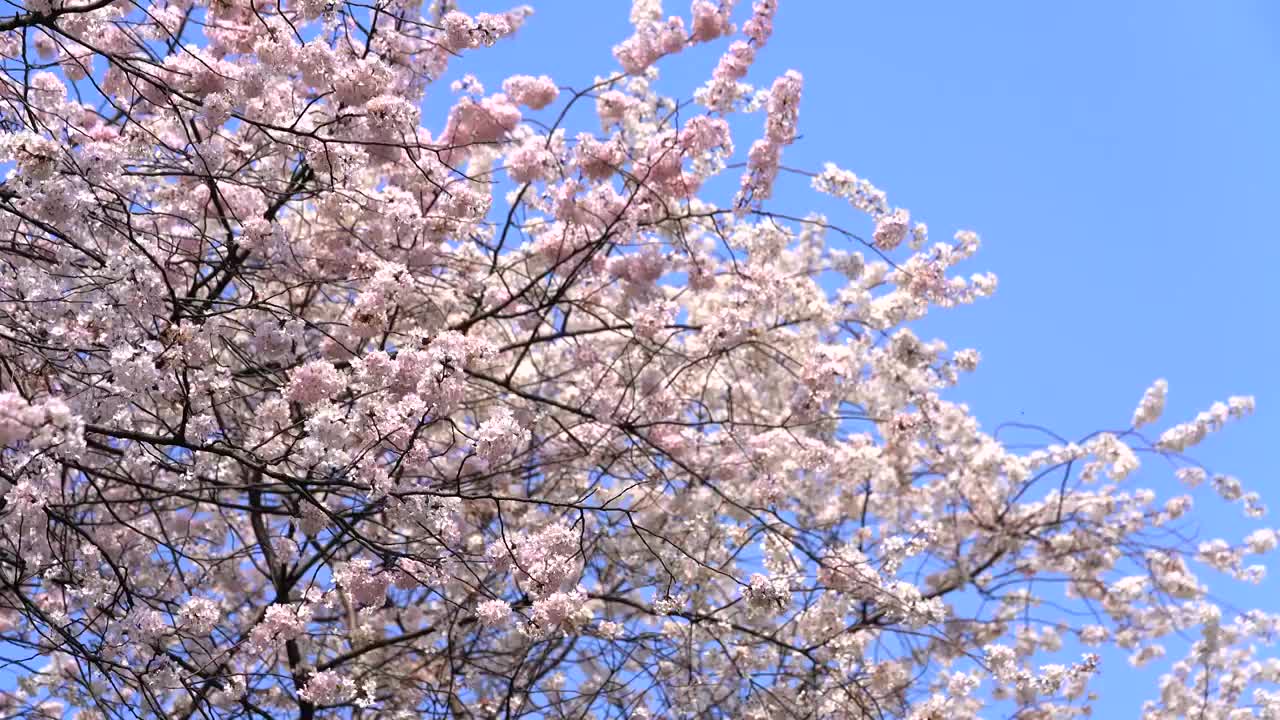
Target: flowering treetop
312, 407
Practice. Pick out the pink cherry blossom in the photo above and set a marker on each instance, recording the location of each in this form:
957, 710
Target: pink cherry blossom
891, 229
533, 92
200, 615
280, 623
710, 20
366, 585
499, 436
493, 613
18, 419
313, 382
326, 688
650, 42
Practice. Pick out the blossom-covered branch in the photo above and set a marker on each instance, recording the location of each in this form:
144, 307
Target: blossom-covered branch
314, 407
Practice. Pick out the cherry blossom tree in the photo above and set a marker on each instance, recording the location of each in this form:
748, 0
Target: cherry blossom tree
312, 407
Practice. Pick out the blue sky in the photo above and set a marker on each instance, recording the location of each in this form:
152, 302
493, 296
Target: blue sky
1120, 160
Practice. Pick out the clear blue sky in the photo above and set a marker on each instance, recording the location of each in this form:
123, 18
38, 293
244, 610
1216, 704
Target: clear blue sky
1120, 159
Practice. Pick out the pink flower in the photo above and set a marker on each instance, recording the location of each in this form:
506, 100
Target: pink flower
760, 26
463, 32
356, 83
649, 43
641, 268
314, 382
554, 609
613, 105
149, 624
703, 133
327, 688
767, 594
722, 92
453, 349
366, 586
411, 574
18, 418
784, 107
199, 615
891, 229
279, 624
458, 29
653, 318
39, 422
545, 558
392, 113
735, 62
533, 92
493, 613
486, 121
530, 161
709, 20
598, 160
499, 436
764, 158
